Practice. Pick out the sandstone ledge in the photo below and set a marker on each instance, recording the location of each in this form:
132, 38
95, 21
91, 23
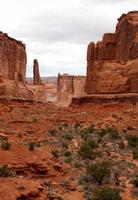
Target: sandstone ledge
105, 98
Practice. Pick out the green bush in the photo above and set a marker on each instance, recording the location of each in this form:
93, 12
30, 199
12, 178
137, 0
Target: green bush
77, 125
135, 153
6, 145
86, 149
31, 146
99, 171
67, 153
52, 132
135, 182
132, 140
4, 171
55, 153
86, 132
107, 194
60, 198
103, 132
68, 136
68, 160
114, 133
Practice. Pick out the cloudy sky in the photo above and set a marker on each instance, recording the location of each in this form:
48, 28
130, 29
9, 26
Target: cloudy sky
56, 32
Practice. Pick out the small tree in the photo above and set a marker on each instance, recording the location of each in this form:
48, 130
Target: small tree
99, 171
6, 145
132, 140
107, 194
86, 149
31, 146
135, 152
135, 182
4, 171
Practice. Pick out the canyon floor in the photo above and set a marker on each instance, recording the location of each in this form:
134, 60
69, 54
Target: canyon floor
46, 150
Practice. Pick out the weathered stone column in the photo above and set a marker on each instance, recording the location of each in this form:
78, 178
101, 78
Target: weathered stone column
37, 79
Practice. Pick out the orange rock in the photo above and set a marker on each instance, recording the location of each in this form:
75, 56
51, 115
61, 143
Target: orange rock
112, 62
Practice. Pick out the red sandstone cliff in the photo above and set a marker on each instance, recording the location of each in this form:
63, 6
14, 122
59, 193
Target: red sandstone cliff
69, 86
12, 58
13, 61
112, 63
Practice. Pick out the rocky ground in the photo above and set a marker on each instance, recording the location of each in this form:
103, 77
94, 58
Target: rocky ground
49, 152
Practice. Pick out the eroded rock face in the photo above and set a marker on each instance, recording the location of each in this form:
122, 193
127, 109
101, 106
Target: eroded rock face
37, 79
112, 63
69, 86
12, 58
13, 61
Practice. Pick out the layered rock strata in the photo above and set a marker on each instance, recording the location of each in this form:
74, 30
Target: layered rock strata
69, 86
112, 64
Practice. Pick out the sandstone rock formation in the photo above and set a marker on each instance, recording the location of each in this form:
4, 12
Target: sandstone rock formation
112, 63
69, 86
12, 58
37, 79
13, 61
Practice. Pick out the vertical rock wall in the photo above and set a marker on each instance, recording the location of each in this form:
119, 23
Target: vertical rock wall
112, 63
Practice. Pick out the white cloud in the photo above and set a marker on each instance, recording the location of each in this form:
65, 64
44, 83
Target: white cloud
57, 32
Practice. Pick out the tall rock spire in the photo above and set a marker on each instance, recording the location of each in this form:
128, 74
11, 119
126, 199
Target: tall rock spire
37, 79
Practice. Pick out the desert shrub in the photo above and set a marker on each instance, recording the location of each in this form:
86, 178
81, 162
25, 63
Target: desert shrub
103, 132
31, 146
67, 153
107, 194
132, 140
84, 179
52, 132
77, 125
6, 145
86, 132
4, 171
135, 152
99, 171
65, 125
68, 136
114, 133
55, 153
121, 145
68, 159
60, 198
135, 182
86, 149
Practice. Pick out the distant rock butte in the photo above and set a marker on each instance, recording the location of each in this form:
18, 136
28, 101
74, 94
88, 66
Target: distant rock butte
69, 86
112, 64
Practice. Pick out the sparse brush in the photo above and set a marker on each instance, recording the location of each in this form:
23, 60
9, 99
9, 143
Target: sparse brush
99, 171
55, 153
114, 133
6, 145
132, 140
86, 149
135, 182
31, 146
107, 194
135, 153
4, 171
